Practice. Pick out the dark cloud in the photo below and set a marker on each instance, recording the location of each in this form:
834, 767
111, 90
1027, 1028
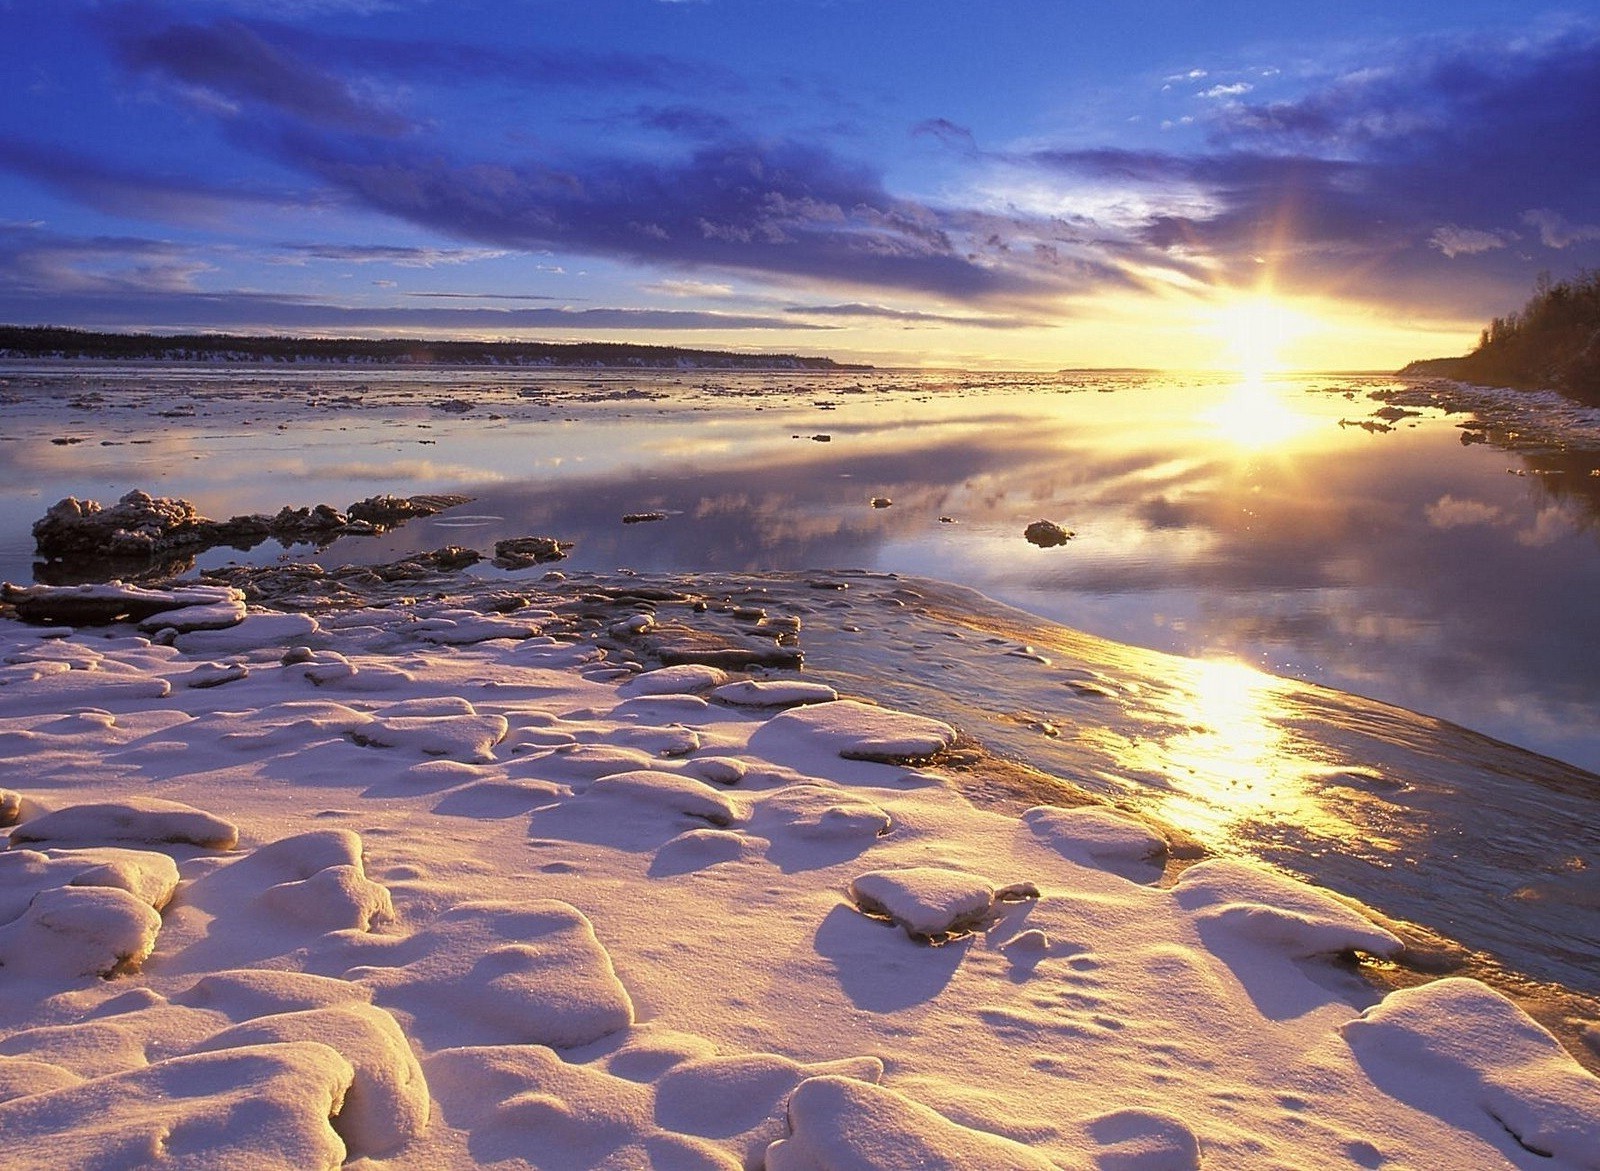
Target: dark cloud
491, 297
110, 306
947, 132
36, 263
232, 60
693, 122
782, 210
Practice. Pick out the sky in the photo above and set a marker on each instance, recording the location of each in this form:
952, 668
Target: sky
1019, 183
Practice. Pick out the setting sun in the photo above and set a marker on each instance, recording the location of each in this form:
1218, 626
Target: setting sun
1257, 332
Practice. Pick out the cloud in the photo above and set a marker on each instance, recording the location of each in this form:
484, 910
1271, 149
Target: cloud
910, 316
1450, 513
403, 257
946, 132
233, 61
124, 191
488, 296
1555, 231
778, 209
1454, 241
1345, 189
105, 306
36, 263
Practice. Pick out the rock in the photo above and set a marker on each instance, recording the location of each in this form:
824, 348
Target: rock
881, 502
1047, 534
521, 552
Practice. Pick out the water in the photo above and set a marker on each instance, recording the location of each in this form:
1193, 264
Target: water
1263, 523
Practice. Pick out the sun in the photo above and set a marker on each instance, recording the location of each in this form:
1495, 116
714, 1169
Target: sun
1257, 331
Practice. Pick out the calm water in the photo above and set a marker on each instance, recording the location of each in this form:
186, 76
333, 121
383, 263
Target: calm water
1261, 523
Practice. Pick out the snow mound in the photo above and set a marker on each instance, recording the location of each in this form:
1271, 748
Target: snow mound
459, 737
719, 770
1096, 836
142, 820
218, 615
148, 876
931, 901
20, 1076
70, 932
387, 1104
263, 1108
839, 1124
323, 884
860, 731
696, 849
774, 693
256, 632
1143, 1140
670, 741
667, 793
1266, 908
825, 812
465, 627
525, 1105
684, 679
243, 993
335, 898
585, 762
214, 675
1456, 1044
550, 983
742, 1098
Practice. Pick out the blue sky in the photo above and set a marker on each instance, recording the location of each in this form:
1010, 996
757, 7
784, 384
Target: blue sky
1039, 183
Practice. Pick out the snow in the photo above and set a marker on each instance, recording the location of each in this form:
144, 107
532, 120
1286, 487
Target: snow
774, 693
303, 892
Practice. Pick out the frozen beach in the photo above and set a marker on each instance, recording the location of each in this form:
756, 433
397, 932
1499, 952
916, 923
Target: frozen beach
474, 878
463, 865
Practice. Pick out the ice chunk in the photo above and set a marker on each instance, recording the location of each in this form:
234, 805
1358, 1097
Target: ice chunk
1267, 908
214, 675
144, 820
839, 1124
264, 1108
930, 901
1456, 1044
387, 1104
218, 615
860, 731
774, 693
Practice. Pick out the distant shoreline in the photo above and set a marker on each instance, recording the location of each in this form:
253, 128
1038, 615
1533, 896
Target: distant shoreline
50, 342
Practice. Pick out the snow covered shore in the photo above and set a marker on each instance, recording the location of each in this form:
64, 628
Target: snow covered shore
439, 884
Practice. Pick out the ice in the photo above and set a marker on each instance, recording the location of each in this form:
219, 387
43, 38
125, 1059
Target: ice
460, 737
1457, 1046
258, 631
149, 876
839, 1124
141, 820
213, 616
667, 793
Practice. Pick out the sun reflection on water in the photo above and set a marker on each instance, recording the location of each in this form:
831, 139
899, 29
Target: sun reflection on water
1232, 761
1257, 416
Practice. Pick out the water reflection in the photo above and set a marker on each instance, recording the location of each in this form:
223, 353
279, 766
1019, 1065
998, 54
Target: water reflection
1212, 517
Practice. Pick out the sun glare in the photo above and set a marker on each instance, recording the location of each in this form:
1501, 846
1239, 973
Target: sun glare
1256, 416
1257, 331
